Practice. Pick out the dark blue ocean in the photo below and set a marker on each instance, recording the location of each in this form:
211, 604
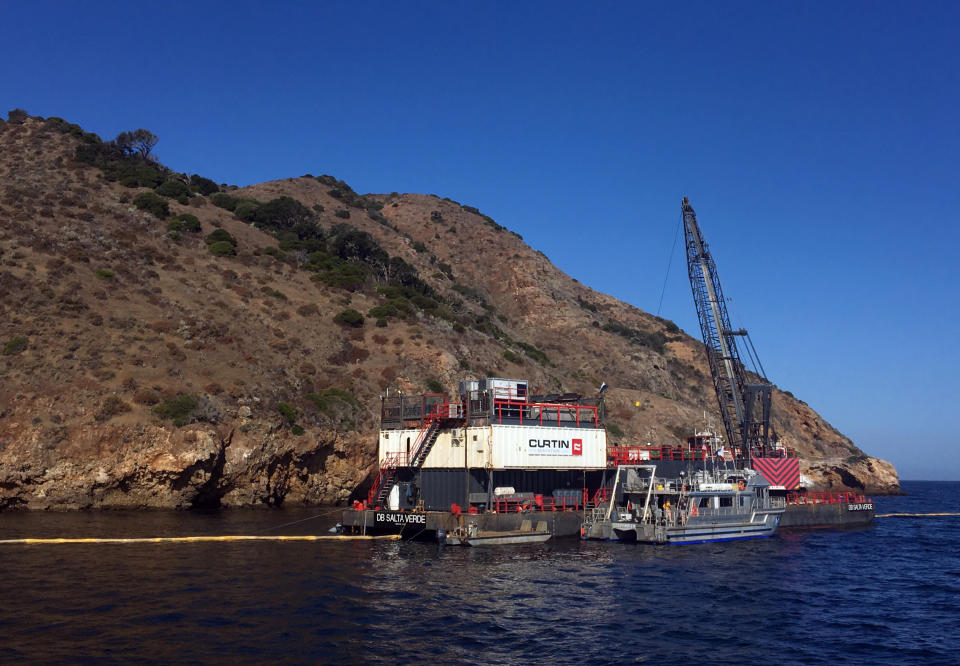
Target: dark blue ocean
887, 594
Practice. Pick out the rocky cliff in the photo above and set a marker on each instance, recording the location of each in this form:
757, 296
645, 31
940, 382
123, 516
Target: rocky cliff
170, 342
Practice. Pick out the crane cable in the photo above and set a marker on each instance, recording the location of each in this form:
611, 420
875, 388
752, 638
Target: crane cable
670, 263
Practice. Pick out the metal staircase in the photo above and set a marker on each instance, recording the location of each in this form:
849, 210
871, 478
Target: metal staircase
440, 415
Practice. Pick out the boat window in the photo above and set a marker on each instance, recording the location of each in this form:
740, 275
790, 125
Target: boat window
726, 501
704, 502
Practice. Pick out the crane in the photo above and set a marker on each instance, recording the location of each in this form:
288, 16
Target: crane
744, 405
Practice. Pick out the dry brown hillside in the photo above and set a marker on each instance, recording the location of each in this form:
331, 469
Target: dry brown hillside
142, 369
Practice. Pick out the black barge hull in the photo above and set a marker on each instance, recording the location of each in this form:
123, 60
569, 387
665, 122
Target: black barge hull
425, 525
840, 514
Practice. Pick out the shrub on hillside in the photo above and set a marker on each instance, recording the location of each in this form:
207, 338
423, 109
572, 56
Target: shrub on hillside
153, 204
246, 210
178, 409
328, 399
220, 236
511, 357
614, 430
287, 411
184, 222
349, 317
202, 185
342, 213
173, 189
434, 386
534, 353
104, 274
287, 214
222, 249
110, 407
15, 346
223, 200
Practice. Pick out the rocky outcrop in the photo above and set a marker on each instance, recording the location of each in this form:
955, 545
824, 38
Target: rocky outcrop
192, 467
859, 473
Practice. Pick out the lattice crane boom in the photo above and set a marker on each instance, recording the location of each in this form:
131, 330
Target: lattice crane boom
744, 406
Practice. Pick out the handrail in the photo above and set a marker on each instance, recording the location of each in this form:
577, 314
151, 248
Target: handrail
525, 410
825, 497
519, 505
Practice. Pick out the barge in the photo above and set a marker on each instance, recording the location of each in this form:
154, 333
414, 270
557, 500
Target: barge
501, 455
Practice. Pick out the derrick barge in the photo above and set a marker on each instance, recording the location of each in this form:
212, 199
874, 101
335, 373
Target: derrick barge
499, 456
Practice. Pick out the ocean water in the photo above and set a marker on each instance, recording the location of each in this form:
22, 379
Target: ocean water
889, 593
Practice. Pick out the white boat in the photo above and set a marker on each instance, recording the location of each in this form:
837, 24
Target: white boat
706, 507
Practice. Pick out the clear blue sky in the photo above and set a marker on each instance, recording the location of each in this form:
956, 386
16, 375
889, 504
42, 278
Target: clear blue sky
817, 141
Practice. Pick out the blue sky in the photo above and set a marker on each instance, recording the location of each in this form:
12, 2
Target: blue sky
817, 142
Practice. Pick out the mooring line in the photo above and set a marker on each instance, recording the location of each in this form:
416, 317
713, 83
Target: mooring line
201, 539
913, 515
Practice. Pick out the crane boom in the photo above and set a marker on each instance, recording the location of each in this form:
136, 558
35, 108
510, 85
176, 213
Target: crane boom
744, 406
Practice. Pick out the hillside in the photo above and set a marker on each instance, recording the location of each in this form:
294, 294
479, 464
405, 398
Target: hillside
148, 363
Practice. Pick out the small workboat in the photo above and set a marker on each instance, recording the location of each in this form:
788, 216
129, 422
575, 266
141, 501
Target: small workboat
472, 535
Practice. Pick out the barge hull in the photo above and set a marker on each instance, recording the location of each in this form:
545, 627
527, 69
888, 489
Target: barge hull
425, 525
841, 514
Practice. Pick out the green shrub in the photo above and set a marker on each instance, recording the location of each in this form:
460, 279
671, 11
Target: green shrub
534, 353
285, 214
511, 357
614, 430
418, 246
184, 222
382, 311
446, 269
349, 317
202, 185
297, 430
223, 200
104, 274
327, 399
153, 204
382, 322
351, 277
434, 386
173, 188
15, 346
287, 411
178, 409
222, 249
246, 210
342, 212
221, 236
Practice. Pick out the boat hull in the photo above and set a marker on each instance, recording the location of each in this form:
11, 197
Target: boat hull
504, 539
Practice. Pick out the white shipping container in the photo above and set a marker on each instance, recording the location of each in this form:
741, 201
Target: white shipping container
452, 448
535, 447
505, 447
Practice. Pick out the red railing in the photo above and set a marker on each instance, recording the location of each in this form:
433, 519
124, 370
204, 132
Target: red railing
602, 495
636, 455
524, 411
537, 503
825, 498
